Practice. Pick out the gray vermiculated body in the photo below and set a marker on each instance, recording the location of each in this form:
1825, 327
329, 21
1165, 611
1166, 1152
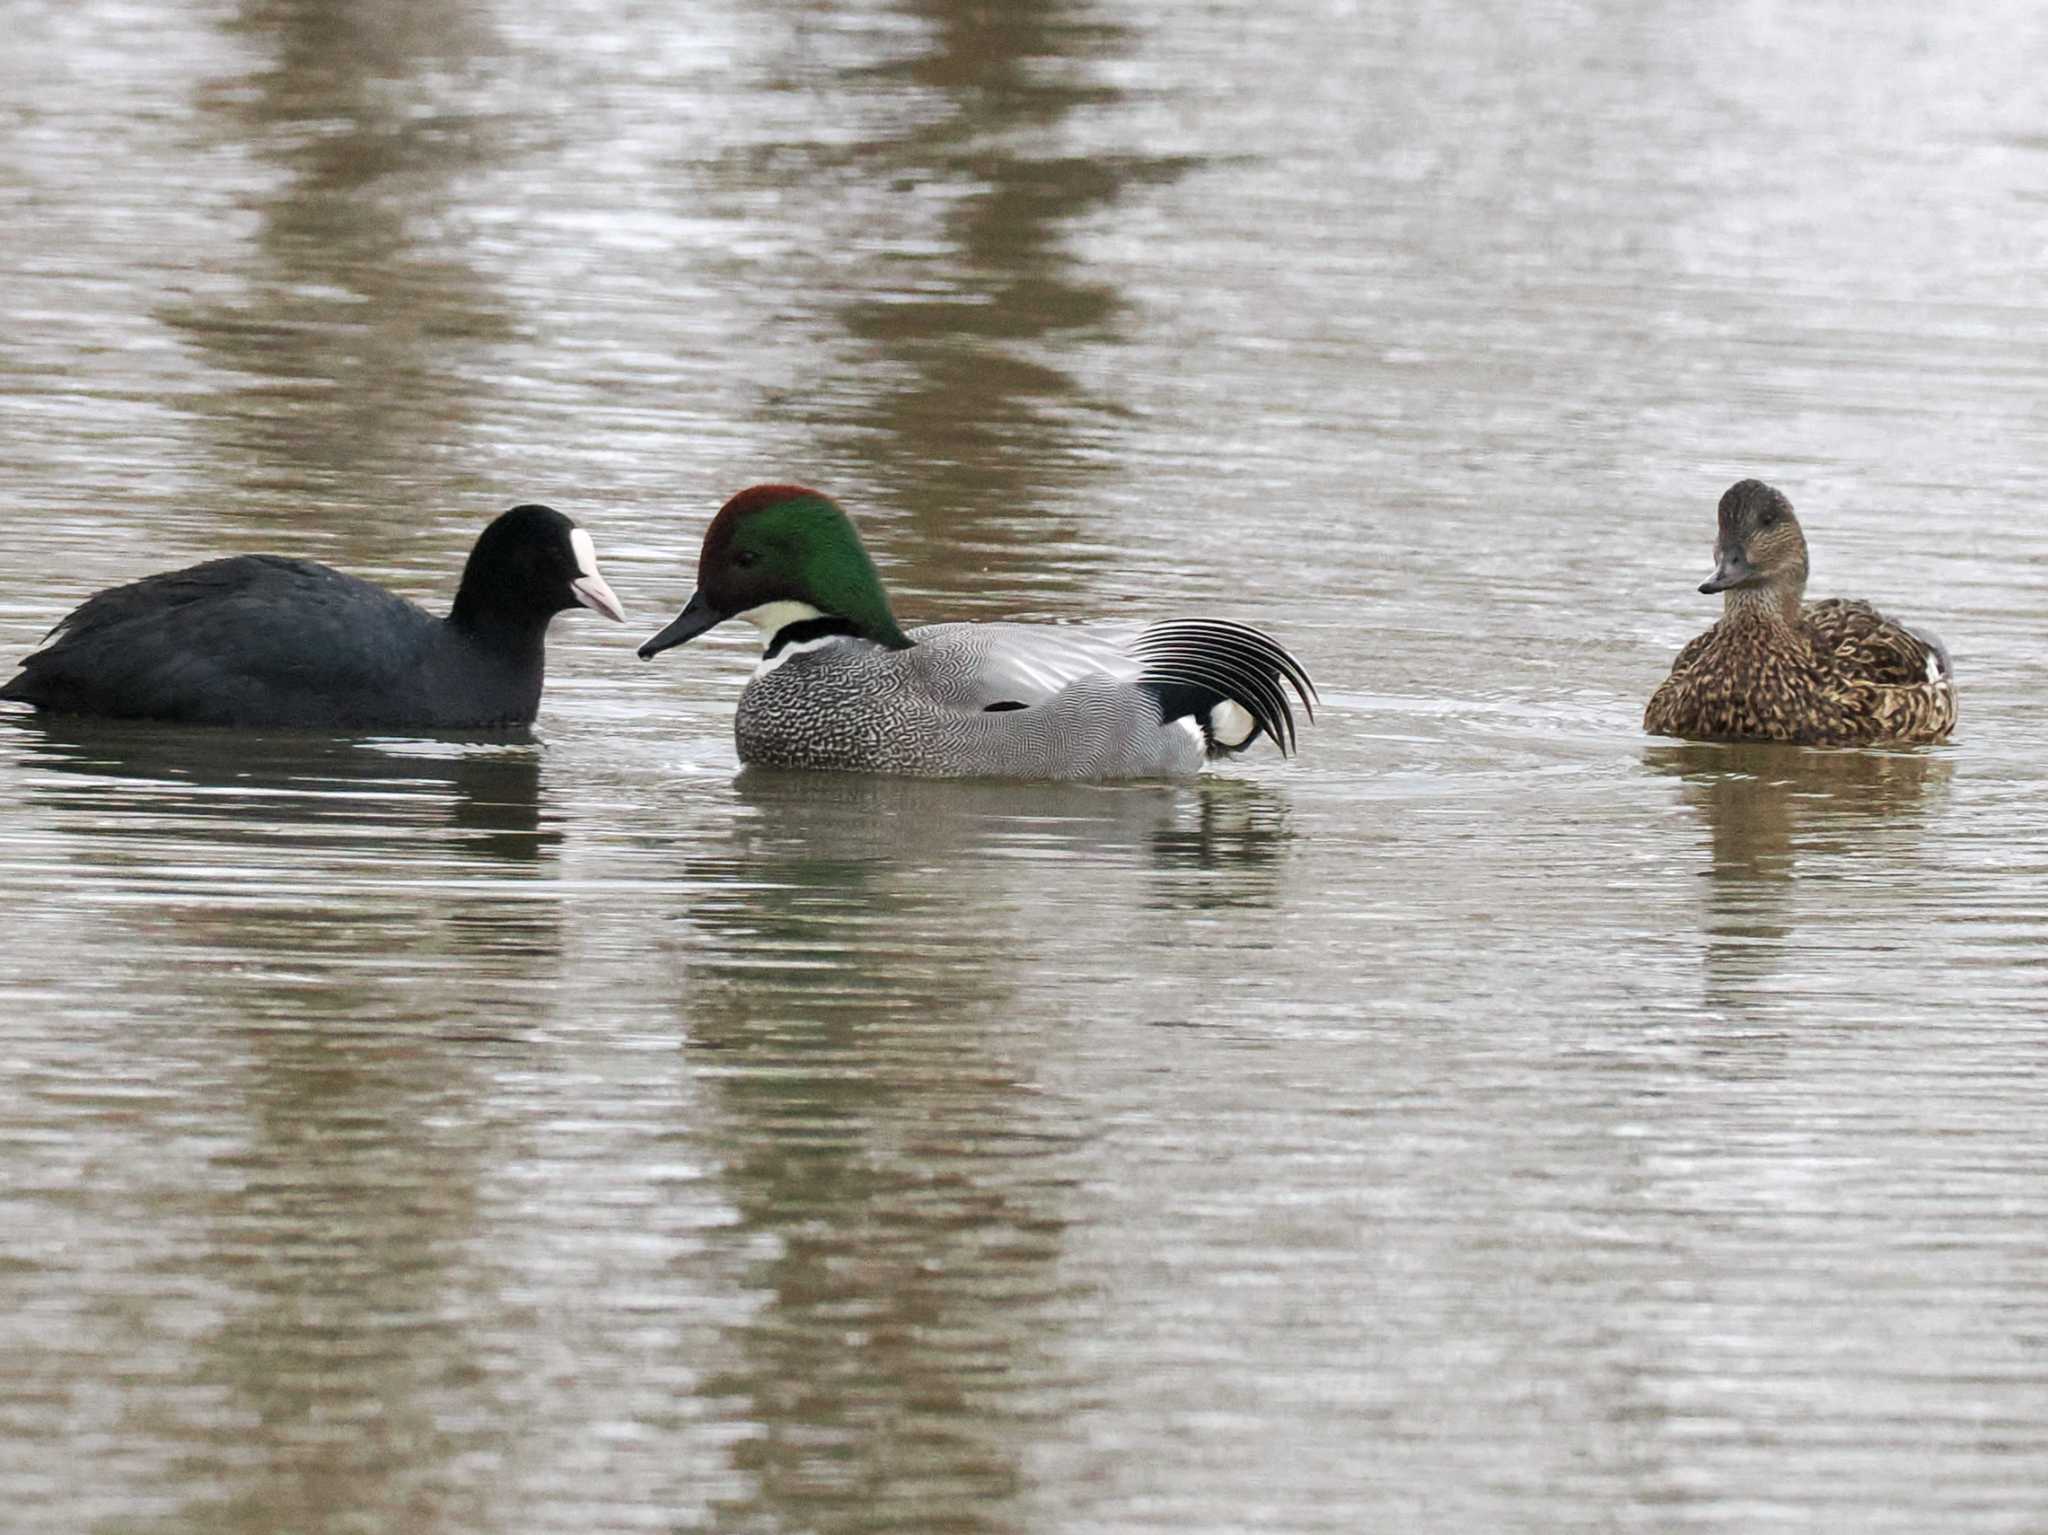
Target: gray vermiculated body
264, 640
855, 706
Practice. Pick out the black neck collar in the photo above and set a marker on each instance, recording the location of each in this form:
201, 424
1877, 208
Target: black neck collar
807, 629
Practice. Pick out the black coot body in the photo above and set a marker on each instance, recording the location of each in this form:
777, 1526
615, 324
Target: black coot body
262, 640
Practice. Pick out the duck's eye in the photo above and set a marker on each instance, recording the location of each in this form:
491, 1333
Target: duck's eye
745, 558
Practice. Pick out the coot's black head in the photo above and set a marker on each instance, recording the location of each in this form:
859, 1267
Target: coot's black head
527, 566
1758, 541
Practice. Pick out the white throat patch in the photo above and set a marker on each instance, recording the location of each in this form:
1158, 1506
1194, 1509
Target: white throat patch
771, 618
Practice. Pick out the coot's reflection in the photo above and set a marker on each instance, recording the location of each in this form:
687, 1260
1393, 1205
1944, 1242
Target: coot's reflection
346, 933
476, 794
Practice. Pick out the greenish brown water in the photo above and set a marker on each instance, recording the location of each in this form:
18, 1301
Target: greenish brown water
1494, 1120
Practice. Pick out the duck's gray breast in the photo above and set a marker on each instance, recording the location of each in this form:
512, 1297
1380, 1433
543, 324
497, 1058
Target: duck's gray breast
844, 706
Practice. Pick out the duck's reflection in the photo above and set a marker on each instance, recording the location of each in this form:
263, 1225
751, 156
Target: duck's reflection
864, 815
1216, 842
1775, 814
886, 1147
855, 982
842, 888
1225, 848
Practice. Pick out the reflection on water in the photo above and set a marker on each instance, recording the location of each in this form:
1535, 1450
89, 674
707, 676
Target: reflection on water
157, 812
342, 1338
305, 791
356, 325
895, 1164
828, 902
1780, 814
855, 1009
1228, 854
1763, 805
980, 431
553, 1134
309, 1043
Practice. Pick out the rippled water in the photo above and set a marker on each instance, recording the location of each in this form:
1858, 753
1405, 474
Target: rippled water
1495, 1119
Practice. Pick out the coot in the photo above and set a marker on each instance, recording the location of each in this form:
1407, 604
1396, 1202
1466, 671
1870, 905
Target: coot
257, 639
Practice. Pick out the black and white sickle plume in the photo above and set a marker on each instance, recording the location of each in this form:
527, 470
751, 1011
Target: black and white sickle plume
1199, 667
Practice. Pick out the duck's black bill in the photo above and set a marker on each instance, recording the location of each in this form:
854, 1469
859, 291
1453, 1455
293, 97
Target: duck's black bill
1732, 570
695, 618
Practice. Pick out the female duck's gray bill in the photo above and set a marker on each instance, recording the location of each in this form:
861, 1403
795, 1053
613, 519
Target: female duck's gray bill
697, 616
1731, 569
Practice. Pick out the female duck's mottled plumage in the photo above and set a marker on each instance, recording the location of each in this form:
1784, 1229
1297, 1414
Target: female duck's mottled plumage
1833, 673
840, 686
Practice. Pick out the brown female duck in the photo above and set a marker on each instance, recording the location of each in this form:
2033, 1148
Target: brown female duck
1833, 673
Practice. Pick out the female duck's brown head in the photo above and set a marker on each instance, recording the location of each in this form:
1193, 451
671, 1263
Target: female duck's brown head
1759, 547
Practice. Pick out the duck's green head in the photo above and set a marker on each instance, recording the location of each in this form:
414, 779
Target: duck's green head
779, 555
1759, 544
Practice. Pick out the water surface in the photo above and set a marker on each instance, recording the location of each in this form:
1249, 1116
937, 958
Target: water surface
1494, 1119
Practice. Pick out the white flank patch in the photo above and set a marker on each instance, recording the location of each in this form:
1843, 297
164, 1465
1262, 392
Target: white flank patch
1187, 723
1231, 724
1933, 667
